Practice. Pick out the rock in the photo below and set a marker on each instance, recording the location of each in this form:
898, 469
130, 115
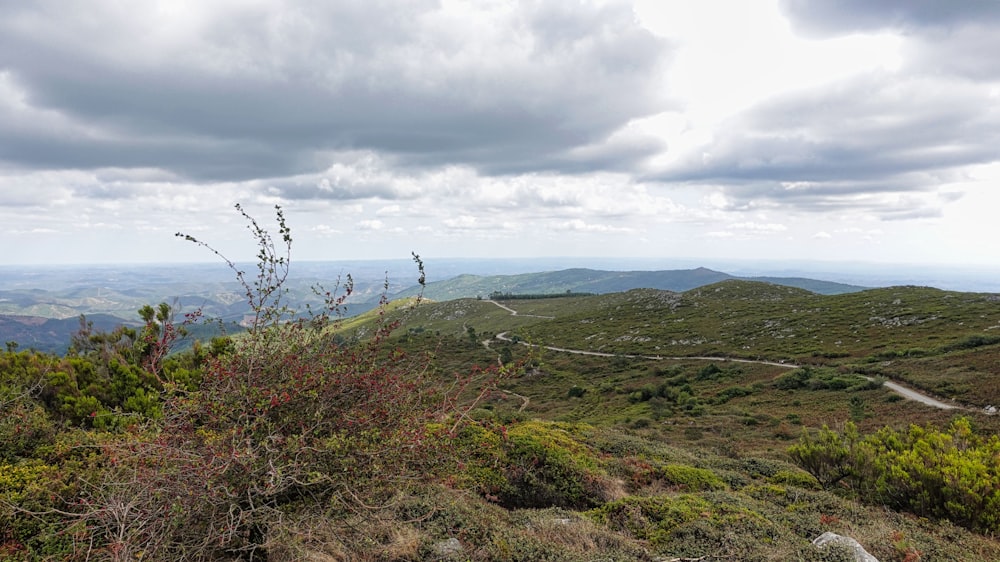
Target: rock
860, 554
447, 548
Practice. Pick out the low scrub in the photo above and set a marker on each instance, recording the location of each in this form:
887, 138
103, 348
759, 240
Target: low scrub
952, 474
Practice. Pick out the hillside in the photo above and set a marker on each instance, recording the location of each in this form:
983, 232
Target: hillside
733, 420
941, 341
51, 335
66, 293
637, 425
601, 282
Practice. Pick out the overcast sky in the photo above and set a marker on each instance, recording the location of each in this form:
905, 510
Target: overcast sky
794, 129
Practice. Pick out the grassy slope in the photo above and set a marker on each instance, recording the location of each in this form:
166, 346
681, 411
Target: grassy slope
731, 420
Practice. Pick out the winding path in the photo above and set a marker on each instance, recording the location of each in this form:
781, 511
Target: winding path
903, 391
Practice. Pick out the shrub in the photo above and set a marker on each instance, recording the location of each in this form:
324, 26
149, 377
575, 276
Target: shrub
546, 467
828, 456
652, 518
691, 478
288, 418
794, 380
951, 475
731, 392
972, 342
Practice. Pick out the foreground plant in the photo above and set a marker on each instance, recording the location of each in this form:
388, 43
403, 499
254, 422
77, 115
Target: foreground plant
287, 421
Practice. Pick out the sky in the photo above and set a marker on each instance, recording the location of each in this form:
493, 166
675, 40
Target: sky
832, 130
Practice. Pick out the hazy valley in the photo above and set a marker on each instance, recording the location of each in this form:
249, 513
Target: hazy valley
40, 306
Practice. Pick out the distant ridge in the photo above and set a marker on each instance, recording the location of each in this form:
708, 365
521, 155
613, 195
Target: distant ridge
51, 335
581, 280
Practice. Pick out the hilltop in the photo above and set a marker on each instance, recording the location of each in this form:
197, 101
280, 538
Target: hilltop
581, 280
636, 425
40, 309
905, 333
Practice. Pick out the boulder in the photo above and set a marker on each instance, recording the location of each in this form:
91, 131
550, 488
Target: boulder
447, 548
860, 554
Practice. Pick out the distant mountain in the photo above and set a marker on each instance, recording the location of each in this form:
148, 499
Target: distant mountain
51, 335
581, 280
40, 309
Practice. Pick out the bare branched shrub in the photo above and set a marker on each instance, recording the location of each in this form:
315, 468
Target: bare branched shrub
289, 420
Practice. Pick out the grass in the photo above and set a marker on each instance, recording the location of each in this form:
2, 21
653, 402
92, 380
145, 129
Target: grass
623, 458
942, 342
670, 500
687, 457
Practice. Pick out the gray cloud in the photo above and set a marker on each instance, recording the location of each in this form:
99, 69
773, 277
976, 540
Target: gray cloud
465, 122
265, 91
825, 149
841, 17
887, 202
955, 37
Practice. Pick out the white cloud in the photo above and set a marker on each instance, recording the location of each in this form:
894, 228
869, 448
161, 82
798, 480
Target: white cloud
759, 227
579, 225
454, 125
462, 222
374, 224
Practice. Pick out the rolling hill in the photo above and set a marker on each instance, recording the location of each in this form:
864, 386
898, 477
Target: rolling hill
581, 280
941, 341
634, 425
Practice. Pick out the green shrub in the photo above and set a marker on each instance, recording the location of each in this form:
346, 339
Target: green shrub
826, 455
796, 379
731, 392
691, 478
953, 474
546, 467
794, 478
652, 518
972, 342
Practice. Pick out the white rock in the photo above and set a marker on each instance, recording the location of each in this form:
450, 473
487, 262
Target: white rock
449, 547
860, 554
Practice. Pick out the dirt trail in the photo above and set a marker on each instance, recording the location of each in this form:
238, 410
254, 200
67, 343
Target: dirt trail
514, 312
922, 398
903, 391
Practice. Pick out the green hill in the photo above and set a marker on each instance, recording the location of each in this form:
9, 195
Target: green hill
597, 281
636, 425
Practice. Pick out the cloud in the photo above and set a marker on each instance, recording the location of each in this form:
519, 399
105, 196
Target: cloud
372, 224
956, 37
234, 91
748, 230
578, 225
461, 124
842, 17
463, 222
881, 143
760, 227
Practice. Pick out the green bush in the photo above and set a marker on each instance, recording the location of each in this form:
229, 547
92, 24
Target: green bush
652, 518
731, 392
546, 467
952, 475
691, 478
